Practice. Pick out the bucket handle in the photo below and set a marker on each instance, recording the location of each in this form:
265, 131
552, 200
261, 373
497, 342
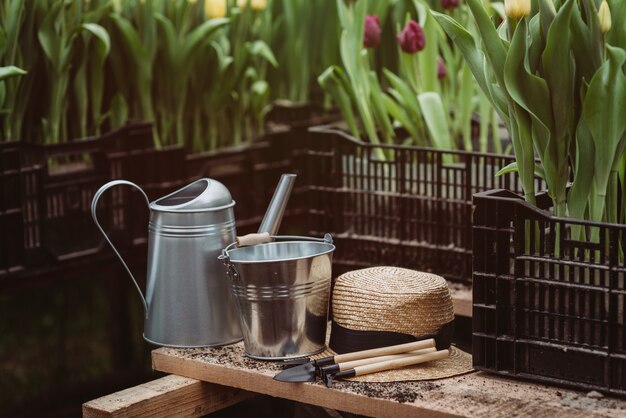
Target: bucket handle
94, 205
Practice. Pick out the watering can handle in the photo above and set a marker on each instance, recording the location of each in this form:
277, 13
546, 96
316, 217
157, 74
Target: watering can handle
94, 205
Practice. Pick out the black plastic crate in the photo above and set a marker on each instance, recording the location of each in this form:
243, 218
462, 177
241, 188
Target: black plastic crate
547, 306
13, 178
413, 209
46, 193
300, 116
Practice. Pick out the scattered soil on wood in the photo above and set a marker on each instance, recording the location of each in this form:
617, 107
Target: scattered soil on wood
399, 391
231, 356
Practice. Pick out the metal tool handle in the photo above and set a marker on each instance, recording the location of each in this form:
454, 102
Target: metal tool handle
94, 205
278, 204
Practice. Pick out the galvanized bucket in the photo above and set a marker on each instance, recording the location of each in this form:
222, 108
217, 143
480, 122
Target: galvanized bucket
282, 291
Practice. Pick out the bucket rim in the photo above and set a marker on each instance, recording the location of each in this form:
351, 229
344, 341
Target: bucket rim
279, 239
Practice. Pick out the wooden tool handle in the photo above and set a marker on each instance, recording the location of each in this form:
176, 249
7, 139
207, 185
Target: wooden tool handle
383, 351
253, 239
402, 362
355, 363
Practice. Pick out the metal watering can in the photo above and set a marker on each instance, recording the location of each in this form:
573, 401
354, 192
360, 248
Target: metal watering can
187, 302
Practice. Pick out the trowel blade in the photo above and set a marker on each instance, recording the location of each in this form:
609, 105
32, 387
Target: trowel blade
297, 361
302, 373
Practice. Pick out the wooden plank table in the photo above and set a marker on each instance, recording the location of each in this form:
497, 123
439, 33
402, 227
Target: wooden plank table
166, 397
473, 395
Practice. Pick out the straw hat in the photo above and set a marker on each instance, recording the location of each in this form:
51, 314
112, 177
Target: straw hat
381, 306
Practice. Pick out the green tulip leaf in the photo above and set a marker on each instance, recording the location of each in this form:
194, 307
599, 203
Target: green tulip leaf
436, 119
422, 11
199, 35
467, 45
499, 9
119, 111
521, 128
578, 196
546, 16
260, 96
331, 81
603, 108
11, 33
48, 38
400, 114
379, 110
3, 41
427, 58
3, 93
559, 69
261, 49
617, 35
81, 99
136, 49
493, 46
404, 95
514, 168
528, 90
172, 50
10, 71
224, 60
100, 33
597, 37
587, 61
343, 12
537, 44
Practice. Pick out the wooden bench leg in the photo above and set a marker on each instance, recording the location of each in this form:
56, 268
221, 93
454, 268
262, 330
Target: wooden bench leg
166, 397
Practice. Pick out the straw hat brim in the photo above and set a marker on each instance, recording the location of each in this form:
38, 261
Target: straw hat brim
457, 364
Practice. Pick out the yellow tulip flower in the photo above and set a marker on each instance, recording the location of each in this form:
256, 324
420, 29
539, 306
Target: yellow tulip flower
215, 8
604, 14
257, 5
517, 9
117, 6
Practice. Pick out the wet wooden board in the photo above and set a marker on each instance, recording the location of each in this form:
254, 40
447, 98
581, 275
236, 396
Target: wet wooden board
165, 397
473, 395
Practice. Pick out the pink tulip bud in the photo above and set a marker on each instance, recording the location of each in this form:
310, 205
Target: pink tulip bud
449, 4
442, 72
412, 38
371, 39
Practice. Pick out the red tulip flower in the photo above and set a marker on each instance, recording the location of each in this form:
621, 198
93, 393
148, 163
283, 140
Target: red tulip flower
371, 39
412, 38
442, 72
449, 4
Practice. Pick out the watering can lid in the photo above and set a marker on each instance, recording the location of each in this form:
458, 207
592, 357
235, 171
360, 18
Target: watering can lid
201, 195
